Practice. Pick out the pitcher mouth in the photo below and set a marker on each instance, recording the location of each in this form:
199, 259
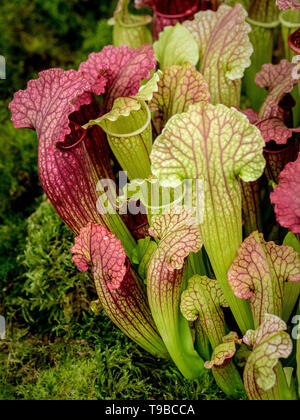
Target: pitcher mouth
287, 18
266, 25
190, 11
294, 41
137, 132
274, 149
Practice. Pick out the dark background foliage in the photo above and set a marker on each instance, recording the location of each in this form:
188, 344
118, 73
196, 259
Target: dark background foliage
38, 34
35, 35
56, 348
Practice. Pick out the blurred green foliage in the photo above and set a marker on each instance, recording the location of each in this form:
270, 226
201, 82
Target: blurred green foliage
19, 189
18, 168
38, 34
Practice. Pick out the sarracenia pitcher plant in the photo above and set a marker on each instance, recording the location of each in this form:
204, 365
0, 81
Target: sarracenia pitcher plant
184, 203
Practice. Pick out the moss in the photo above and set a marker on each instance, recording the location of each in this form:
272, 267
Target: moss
52, 294
78, 369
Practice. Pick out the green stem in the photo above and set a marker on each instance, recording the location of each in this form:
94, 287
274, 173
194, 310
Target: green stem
222, 236
118, 227
164, 290
127, 308
198, 264
282, 391
264, 11
251, 206
130, 29
279, 392
296, 110
291, 295
132, 35
290, 21
262, 39
229, 380
202, 342
291, 290
240, 308
132, 154
263, 18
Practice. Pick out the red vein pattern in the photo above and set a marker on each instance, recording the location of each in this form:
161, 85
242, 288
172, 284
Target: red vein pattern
170, 12
68, 167
260, 272
223, 368
119, 290
123, 68
276, 160
288, 4
286, 197
251, 206
278, 80
217, 145
143, 3
225, 50
178, 88
224, 352
270, 342
275, 129
98, 247
202, 300
178, 237
271, 128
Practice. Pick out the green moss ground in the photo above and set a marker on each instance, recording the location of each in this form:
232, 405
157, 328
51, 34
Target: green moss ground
109, 367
